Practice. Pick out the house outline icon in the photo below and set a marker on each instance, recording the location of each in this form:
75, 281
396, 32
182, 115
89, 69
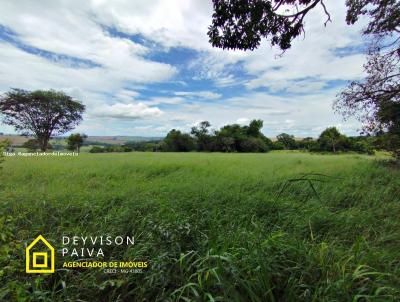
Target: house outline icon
36, 267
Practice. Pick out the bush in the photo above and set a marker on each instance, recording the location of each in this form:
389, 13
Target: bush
176, 141
278, 145
363, 147
96, 149
33, 145
254, 144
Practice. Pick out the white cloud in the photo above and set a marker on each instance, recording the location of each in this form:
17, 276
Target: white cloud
242, 120
199, 94
114, 89
127, 111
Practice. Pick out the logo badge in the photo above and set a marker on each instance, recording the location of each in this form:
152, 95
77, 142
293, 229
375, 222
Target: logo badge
40, 256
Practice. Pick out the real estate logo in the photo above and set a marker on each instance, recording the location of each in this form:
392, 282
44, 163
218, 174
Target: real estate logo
40, 256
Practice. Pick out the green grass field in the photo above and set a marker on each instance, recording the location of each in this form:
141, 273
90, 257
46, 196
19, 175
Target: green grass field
214, 227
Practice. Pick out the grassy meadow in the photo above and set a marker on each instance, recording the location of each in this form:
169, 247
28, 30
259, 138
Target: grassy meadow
282, 226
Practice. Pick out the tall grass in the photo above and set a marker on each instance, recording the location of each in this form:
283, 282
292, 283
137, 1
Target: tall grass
215, 227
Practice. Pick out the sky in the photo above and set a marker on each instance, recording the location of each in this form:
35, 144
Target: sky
145, 67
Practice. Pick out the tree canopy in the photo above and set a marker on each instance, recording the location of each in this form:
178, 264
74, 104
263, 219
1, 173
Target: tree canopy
75, 141
41, 113
329, 139
241, 24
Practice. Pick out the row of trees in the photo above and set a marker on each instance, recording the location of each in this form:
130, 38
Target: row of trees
48, 113
237, 138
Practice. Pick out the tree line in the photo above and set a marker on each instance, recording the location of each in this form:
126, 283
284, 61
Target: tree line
248, 138
45, 114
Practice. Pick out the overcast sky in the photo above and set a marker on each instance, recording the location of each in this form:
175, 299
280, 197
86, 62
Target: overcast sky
145, 67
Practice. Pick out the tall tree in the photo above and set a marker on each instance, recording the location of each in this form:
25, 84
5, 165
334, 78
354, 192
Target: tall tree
375, 100
176, 141
287, 140
41, 113
329, 139
254, 128
203, 137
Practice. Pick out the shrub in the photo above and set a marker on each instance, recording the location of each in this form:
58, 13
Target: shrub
33, 145
96, 149
278, 145
176, 141
254, 144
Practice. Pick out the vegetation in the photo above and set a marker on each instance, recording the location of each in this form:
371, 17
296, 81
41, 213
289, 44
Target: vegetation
176, 141
33, 145
3, 145
287, 141
215, 227
75, 141
329, 139
241, 24
41, 113
230, 138
249, 139
375, 100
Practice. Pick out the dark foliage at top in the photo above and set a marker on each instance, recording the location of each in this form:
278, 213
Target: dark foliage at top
241, 24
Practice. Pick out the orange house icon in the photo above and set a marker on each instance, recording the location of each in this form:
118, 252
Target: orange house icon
41, 261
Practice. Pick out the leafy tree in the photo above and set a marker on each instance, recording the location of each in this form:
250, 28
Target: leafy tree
330, 138
203, 137
241, 24
287, 140
375, 101
254, 128
231, 136
176, 141
236, 138
389, 115
41, 113
75, 141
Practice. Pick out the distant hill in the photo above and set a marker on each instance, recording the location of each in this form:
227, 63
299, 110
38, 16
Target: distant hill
118, 140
